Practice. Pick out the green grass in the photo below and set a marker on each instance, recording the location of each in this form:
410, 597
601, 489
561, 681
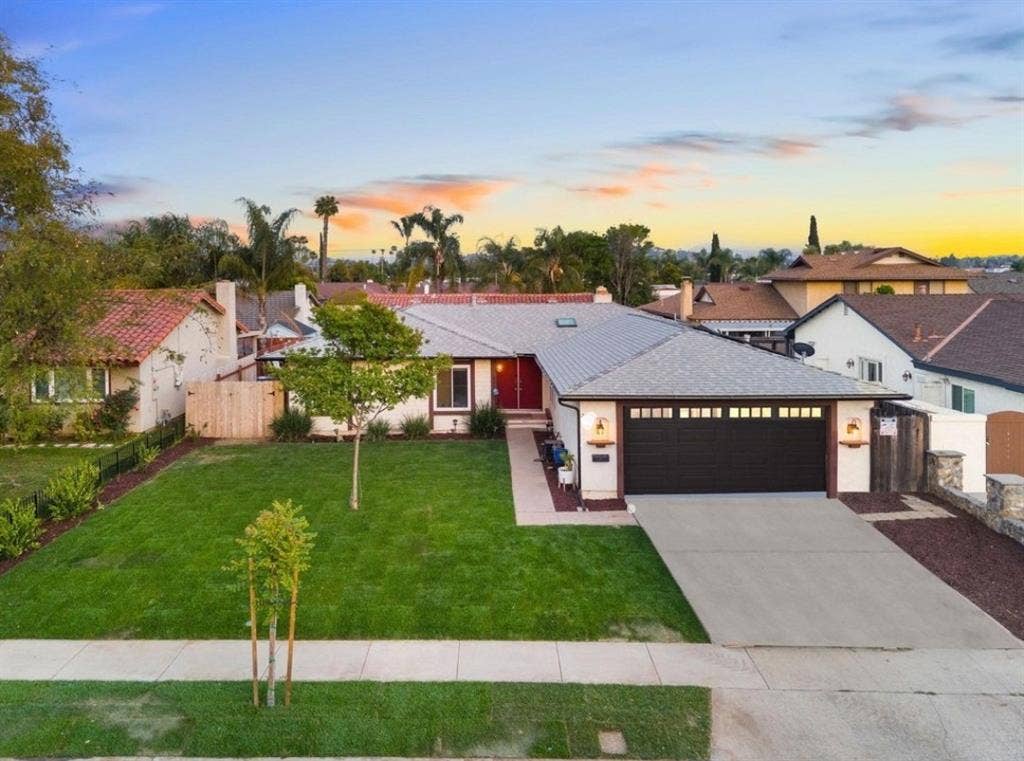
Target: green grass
86, 719
433, 553
24, 470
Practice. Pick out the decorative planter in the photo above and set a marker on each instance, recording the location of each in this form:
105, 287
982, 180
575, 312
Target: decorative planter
565, 477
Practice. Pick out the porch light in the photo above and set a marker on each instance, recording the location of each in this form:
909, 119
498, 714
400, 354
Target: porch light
500, 366
853, 433
601, 428
850, 363
907, 375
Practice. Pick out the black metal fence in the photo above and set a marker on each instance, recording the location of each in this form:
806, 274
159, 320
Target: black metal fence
122, 459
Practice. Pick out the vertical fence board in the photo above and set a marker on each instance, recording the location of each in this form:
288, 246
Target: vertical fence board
898, 462
233, 409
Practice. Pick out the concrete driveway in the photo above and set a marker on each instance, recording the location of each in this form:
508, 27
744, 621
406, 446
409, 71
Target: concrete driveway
800, 570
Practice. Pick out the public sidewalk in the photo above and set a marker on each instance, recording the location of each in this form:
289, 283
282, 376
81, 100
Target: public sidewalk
531, 495
992, 672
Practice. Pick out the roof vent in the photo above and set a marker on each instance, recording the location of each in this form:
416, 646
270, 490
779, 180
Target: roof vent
565, 322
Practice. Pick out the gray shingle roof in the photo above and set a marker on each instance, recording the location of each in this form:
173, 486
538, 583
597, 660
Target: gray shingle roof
686, 363
515, 328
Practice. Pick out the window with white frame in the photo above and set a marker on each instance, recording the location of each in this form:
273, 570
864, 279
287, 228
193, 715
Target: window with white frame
963, 399
67, 385
870, 370
452, 389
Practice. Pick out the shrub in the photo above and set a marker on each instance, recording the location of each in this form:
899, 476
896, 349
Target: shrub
145, 454
291, 425
378, 430
487, 422
113, 412
19, 528
885, 290
73, 490
32, 422
415, 426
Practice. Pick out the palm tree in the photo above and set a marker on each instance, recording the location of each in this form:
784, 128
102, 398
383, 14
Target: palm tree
406, 226
551, 263
436, 226
325, 207
267, 262
502, 261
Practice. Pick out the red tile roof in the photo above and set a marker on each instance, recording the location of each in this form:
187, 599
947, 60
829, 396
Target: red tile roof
327, 291
399, 300
863, 265
135, 322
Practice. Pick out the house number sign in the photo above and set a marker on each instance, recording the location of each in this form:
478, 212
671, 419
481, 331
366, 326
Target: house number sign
886, 426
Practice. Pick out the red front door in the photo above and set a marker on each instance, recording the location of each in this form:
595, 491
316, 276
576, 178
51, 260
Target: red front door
518, 381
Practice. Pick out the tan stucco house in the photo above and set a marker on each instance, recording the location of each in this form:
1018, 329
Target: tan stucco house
646, 405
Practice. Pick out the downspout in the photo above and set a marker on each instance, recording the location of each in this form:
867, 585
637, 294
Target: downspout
579, 452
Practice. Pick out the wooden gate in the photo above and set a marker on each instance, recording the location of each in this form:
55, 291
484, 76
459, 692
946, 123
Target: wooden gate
898, 462
233, 409
1004, 435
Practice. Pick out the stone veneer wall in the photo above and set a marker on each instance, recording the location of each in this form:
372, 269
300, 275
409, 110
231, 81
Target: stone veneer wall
1003, 508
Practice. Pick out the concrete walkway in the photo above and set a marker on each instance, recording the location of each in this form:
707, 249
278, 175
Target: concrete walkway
532, 497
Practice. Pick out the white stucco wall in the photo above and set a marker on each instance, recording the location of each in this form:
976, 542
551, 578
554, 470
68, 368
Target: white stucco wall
194, 351
442, 422
960, 432
600, 480
853, 464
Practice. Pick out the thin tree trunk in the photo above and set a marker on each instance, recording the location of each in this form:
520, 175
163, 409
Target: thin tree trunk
323, 252
291, 638
272, 662
353, 500
252, 629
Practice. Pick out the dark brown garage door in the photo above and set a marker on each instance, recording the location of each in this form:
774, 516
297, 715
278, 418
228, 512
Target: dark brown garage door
750, 447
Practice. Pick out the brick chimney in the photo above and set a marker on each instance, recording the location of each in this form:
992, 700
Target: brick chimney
602, 296
685, 299
303, 309
225, 295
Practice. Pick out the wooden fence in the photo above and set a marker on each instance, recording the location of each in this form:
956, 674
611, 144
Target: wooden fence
1005, 437
243, 373
233, 409
898, 461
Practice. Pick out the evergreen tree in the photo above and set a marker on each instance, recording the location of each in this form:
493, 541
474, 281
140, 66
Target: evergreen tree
812, 237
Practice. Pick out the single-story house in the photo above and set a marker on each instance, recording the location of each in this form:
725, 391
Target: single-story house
647, 405
289, 314
997, 282
963, 352
156, 341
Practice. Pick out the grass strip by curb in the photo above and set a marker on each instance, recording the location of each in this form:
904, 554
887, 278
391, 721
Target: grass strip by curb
463, 719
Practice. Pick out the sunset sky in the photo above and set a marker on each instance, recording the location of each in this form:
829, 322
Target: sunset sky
894, 123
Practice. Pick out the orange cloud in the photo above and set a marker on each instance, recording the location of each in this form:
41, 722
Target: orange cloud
630, 180
608, 191
460, 192
351, 220
784, 147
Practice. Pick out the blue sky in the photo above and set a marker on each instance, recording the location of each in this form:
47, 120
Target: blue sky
895, 123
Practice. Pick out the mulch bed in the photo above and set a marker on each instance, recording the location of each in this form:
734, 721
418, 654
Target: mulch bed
566, 500
887, 502
982, 565
111, 491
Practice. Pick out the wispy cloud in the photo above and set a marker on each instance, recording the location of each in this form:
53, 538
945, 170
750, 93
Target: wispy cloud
773, 146
953, 195
134, 10
1008, 42
905, 113
113, 188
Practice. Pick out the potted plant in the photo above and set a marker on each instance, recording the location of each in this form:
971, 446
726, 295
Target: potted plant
565, 477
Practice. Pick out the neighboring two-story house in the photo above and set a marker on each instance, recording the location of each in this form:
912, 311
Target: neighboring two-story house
813, 279
964, 352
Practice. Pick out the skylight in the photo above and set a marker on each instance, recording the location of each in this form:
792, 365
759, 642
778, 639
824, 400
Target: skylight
565, 322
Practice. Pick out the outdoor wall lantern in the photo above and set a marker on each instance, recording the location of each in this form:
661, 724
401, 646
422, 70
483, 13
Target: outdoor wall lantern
853, 433
601, 432
907, 375
500, 366
850, 363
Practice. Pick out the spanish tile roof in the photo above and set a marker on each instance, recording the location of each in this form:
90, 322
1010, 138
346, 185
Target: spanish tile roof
729, 301
1003, 282
135, 322
401, 300
864, 265
628, 358
280, 308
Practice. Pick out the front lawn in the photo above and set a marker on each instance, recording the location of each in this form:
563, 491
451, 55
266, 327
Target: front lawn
86, 719
25, 469
433, 553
